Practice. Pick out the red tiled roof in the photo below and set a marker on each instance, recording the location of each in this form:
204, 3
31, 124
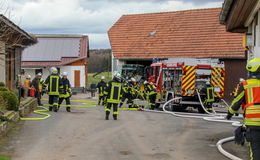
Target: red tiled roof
190, 33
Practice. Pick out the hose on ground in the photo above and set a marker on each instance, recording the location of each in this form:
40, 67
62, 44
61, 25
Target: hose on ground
210, 117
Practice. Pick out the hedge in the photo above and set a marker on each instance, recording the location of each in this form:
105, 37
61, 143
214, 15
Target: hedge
2, 84
11, 99
3, 89
3, 104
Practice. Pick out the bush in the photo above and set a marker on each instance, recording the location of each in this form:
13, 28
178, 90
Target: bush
2, 84
3, 104
11, 99
3, 89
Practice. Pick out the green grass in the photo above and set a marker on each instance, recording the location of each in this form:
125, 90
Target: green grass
3, 157
96, 79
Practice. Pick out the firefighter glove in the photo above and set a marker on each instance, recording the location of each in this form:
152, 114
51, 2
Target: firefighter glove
229, 116
240, 135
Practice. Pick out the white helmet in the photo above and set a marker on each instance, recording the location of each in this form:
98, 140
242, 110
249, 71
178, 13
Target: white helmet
28, 76
145, 82
65, 74
207, 83
241, 79
39, 74
133, 80
102, 77
54, 70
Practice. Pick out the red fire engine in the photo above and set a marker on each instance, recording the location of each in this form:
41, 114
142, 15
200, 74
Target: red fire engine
181, 80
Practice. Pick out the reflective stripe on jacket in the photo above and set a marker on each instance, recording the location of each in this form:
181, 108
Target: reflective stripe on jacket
210, 95
54, 84
113, 91
252, 102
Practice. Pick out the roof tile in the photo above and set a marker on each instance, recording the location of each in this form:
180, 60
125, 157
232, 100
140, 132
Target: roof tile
190, 33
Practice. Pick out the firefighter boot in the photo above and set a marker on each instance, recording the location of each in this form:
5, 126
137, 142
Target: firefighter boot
115, 116
50, 108
55, 108
107, 115
68, 109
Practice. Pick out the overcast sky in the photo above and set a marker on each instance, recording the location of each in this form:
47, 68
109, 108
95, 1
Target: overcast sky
91, 17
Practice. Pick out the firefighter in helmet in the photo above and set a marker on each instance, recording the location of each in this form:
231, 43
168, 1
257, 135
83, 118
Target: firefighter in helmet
113, 95
249, 94
151, 92
209, 98
54, 84
66, 91
101, 86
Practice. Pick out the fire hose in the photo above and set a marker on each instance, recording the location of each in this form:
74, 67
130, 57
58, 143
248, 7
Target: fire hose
213, 117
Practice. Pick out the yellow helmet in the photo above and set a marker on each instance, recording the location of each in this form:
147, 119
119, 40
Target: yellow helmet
253, 65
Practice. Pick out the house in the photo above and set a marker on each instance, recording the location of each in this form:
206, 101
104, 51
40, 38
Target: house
243, 17
12, 42
139, 38
69, 53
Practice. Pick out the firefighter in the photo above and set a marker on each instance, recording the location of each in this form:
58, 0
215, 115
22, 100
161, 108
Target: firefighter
54, 84
37, 85
131, 93
66, 91
125, 93
151, 92
209, 96
101, 86
113, 93
249, 94
26, 85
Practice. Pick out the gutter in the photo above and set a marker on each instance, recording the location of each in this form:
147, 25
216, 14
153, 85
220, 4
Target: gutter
226, 6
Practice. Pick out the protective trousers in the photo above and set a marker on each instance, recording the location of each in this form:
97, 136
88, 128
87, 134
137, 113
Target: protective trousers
152, 99
101, 99
115, 110
68, 105
38, 96
253, 137
208, 106
53, 102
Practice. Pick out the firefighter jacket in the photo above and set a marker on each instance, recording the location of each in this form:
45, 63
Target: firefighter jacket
41, 84
101, 86
249, 94
36, 83
209, 92
54, 84
66, 88
27, 83
149, 89
113, 91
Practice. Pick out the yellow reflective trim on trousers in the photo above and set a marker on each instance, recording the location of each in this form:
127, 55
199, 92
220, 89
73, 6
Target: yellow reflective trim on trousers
107, 109
251, 152
115, 113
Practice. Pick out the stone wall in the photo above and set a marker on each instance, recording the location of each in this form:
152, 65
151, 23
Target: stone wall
26, 107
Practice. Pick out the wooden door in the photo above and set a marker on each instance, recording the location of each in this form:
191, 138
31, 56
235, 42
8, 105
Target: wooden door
77, 78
